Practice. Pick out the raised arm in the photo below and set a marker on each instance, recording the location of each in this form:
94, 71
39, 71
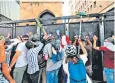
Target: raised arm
82, 47
88, 41
17, 54
75, 42
94, 42
39, 47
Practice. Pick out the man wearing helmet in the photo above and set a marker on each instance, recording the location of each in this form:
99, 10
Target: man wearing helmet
76, 63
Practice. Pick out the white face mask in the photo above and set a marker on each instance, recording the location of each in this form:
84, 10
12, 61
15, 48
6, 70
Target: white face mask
58, 32
64, 42
110, 46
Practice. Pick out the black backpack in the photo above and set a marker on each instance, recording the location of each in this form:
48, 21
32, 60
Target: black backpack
41, 61
13, 51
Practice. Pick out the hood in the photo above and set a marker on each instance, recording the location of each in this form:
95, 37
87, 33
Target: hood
110, 46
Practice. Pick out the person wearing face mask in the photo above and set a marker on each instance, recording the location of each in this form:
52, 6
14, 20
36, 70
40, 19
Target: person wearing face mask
108, 49
58, 37
53, 64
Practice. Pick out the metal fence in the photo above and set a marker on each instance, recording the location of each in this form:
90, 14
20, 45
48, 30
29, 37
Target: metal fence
19, 30
52, 28
5, 31
87, 28
109, 28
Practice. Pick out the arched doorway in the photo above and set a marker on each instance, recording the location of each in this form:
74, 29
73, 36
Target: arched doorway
47, 14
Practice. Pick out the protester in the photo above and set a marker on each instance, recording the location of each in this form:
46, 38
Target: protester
53, 64
58, 37
88, 46
64, 42
20, 59
4, 64
34, 58
109, 50
33, 67
76, 66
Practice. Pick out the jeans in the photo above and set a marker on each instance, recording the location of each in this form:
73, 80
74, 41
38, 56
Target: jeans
109, 74
71, 81
42, 74
18, 73
34, 77
26, 78
52, 76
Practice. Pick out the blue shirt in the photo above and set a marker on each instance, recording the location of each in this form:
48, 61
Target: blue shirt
77, 71
56, 57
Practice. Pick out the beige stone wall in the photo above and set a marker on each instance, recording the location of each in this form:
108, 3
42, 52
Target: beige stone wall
100, 6
30, 10
90, 6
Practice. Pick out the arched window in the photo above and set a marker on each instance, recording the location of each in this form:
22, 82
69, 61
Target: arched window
47, 14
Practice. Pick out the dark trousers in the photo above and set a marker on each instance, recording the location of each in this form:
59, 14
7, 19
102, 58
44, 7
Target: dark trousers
26, 78
34, 77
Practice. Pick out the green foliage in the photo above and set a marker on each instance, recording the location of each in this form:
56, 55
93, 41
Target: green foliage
81, 13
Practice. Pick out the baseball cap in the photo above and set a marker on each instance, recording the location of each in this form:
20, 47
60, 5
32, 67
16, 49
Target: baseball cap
25, 37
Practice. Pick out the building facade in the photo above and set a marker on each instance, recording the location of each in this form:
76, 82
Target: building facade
9, 10
90, 6
40, 8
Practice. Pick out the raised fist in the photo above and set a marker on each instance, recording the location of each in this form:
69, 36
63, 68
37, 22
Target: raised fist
87, 37
95, 37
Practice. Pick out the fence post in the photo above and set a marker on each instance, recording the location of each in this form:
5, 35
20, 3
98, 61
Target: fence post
101, 29
12, 31
67, 27
15, 30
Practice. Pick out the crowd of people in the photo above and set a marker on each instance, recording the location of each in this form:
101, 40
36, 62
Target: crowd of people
53, 59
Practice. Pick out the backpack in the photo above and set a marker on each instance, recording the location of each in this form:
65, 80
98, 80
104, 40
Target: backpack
56, 57
41, 61
13, 51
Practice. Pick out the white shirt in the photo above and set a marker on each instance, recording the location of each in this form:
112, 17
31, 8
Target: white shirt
84, 59
12, 44
22, 59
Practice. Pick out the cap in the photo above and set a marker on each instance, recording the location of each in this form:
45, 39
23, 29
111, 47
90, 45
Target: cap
25, 37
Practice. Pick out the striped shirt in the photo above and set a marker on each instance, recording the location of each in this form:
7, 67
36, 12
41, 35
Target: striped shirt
32, 58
